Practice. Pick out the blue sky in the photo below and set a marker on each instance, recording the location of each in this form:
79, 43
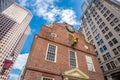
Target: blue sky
49, 11
46, 12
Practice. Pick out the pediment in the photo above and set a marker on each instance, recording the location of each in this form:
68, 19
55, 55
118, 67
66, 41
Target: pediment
75, 73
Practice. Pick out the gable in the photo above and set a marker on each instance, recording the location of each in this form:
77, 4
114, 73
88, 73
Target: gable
75, 73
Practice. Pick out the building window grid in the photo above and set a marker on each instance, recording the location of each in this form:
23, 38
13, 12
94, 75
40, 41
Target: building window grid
100, 42
117, 28
97, 37
103, 10
93, 28
104, 57
112, 23
110, 43
103, 31
113, 64
116, 20
115, 51
95, 32
108, 36
89, 38
108, 55
100, 7
90, 64
114, 40
105, 14
108, 66
100, 26
103, 49
51, 53
110, 17
106, 28
73, 59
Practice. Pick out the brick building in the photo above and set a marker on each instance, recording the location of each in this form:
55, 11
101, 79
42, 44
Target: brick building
61, 53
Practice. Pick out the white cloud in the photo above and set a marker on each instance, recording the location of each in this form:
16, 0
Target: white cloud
46, 9
13, 77
21, 61
52, 13
19, 65
68, 16
23, 2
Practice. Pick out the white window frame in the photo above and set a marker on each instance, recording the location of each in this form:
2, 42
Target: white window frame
47, 77
55, 53
90, 63
75, 58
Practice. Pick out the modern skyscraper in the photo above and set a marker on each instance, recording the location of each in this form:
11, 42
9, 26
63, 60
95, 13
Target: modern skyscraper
61, 53
5, 4
101, 27
85, 5
14, 23
116, 2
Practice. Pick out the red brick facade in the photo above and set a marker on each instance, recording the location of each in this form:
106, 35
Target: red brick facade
37, 66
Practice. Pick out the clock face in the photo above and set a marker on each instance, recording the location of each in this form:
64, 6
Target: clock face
70, 29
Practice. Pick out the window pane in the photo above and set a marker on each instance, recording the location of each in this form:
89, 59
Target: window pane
115, 41
110, 43
108, 55
90, 63
115, 51
51, 52
108, 66
104, 57
101, 50
105, 48
110, 34
106, 37
72, 59
90, 67
113, 64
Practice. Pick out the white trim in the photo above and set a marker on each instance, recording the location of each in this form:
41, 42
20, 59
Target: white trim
75, 58
75, 72
46, 77
90, 62
55, 53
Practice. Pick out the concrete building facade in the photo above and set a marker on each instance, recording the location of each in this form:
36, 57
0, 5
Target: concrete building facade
14, 24
60, 53
85, 5
5, 4
101, 27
